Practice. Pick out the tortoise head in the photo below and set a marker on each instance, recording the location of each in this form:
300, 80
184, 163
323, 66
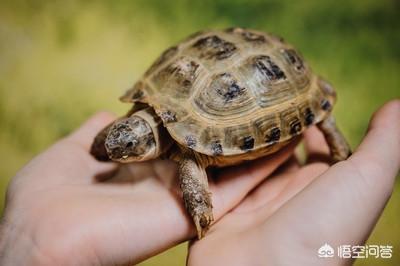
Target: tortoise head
131, 139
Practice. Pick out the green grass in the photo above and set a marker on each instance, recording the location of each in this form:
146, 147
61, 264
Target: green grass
62, 61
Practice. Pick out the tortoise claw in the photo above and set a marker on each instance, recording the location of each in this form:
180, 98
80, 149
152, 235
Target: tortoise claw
203, 222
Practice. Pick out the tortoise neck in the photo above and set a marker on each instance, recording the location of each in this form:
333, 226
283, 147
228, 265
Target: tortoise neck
163, 140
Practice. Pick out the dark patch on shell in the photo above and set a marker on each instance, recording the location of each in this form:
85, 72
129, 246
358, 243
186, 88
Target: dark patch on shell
308, 117
326, 105
137, 95
216, 148
183, 71
248, 143
274, 135
168, 116
214, 47
295, 126
191, 141
186, 83
247, 35
293, 58
165, 56
253, 37
268, 68
229, 90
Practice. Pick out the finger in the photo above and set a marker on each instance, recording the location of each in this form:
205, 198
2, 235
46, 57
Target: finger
85, 134
167, 206
378, 155
273, 192
68, 161
315, 146
148, 210
343, 205
235, 182
75, 147
273, 185
291, 165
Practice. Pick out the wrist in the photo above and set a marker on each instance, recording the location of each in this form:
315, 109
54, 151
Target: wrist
18, 248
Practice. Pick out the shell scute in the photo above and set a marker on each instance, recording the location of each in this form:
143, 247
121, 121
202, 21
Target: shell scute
177, 79
268, 128
267, 80
164, 57
236, 136
248, 36
136, 93
224, 93
214, 47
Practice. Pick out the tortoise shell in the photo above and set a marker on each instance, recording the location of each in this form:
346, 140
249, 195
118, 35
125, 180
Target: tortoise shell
231, 91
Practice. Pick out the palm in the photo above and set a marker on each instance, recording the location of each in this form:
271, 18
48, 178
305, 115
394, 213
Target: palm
299, 208
70, 210
261, 203
255, 211
57, 212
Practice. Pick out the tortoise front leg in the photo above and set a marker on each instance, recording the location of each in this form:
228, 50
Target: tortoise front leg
340, 149
196, 194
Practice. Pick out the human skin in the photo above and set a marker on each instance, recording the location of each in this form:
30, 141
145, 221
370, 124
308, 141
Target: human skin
59, 213
62, 209
295, 211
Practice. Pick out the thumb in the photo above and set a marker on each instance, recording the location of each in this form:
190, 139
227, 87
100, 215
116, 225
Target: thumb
343, 205
68, 160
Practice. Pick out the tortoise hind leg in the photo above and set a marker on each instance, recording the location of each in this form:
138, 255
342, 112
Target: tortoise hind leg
340, 149
196, 194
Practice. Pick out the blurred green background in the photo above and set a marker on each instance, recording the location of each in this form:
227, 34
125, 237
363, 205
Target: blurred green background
61, 61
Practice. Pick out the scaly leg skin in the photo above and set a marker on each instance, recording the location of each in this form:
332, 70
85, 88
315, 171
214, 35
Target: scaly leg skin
340, 149
196, 194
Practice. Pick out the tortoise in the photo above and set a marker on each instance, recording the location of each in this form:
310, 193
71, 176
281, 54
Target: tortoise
220, 98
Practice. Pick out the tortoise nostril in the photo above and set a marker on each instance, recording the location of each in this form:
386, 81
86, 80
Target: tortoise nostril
129, 144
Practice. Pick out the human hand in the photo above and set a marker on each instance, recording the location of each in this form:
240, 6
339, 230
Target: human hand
294, 212
58, 213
